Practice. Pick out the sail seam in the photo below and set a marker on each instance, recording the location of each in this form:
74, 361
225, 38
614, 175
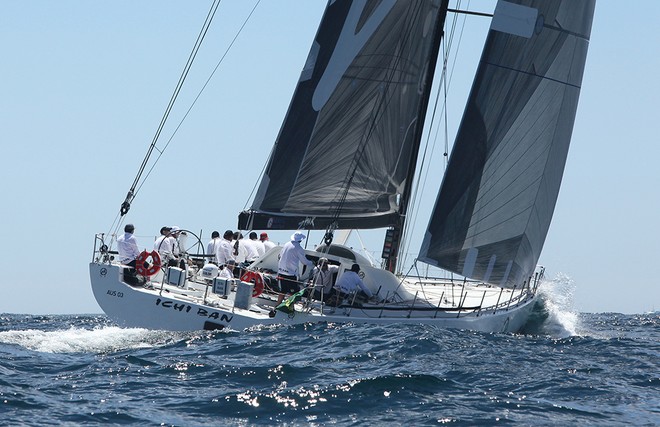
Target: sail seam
522, 138
533, 74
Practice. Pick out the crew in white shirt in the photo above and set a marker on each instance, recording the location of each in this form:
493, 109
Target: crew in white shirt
224, 250
212, 247
287, 268
268, 245
323, 279
350, 282
240, 251
175, 232
253, 245
228, 271
261, 249
163, 245
127, 246
128, 252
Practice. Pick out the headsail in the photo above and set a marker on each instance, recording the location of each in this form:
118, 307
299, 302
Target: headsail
352, 131
499, 192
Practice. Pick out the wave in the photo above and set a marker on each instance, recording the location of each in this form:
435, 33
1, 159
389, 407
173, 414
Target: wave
555, 314
98, 340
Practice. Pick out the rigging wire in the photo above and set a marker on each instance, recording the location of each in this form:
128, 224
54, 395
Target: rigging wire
206, 83
258, 181
443, 89
186, 69
135, 188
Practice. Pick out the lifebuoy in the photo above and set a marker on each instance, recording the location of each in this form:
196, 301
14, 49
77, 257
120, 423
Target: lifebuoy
257, 279
152, 268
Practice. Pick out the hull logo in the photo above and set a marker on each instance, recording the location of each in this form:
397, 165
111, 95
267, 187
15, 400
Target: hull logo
187, 308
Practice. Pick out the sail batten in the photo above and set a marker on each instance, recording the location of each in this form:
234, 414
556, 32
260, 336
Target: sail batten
497, 197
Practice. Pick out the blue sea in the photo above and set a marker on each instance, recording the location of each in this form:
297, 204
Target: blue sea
566, 368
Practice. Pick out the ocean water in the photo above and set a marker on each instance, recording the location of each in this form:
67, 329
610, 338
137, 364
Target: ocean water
566, 368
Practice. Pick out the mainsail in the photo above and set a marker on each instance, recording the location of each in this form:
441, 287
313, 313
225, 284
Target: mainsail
494, 208
346, 149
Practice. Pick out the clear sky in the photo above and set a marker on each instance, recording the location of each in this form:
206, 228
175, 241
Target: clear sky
84, 85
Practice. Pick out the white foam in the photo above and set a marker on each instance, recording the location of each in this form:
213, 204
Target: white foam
77, 340
557, 294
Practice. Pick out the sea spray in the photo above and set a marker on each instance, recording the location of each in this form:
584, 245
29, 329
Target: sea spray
80, 340
555, 314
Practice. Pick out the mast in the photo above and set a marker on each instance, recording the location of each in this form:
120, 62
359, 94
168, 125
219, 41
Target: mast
393, 237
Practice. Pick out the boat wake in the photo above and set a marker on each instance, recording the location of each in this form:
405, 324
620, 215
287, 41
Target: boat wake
554, 313
99, 340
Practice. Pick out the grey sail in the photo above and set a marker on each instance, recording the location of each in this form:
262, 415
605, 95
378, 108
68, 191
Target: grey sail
352, 131
498, 194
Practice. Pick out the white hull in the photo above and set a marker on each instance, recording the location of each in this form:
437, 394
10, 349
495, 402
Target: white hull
167, 307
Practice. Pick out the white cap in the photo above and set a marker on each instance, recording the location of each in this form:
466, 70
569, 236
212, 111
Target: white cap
175, 228
298, 236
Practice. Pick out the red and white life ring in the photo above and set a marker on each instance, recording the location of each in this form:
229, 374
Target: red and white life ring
152, 268
257, 279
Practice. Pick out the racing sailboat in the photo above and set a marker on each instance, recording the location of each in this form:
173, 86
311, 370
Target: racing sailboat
346, 158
